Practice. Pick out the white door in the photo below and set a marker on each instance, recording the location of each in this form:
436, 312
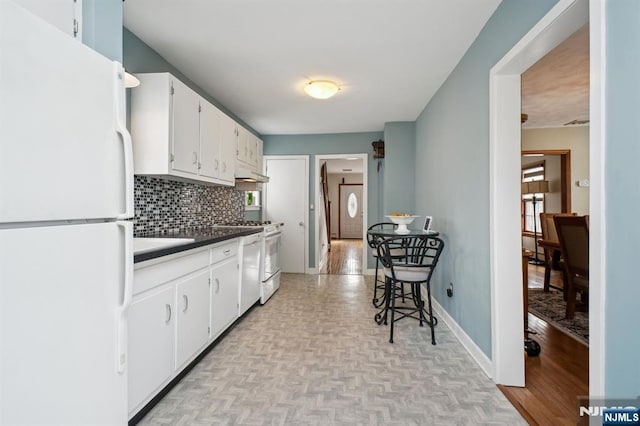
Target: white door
286, 197
351, 211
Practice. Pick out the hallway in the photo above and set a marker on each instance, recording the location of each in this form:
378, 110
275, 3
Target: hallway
345, 258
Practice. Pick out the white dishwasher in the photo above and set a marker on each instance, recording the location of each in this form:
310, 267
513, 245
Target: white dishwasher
250, 257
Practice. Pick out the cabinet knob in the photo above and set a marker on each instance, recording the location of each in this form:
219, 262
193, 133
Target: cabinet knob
194, 156
185, 299
217, 285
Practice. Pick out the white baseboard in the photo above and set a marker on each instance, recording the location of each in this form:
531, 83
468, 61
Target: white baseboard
312, 271
476, 353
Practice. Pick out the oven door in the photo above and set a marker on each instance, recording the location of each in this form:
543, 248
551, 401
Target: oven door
271, 255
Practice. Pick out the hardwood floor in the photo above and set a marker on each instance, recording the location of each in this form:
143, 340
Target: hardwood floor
555, 378
345, 258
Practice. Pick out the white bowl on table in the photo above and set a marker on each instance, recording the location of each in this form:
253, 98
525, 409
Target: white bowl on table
402, 222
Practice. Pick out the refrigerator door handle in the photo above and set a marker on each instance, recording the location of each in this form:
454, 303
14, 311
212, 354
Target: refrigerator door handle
127, 294
125, 138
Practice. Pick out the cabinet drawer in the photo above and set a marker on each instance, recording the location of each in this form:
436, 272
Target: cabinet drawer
146, 277
224, 251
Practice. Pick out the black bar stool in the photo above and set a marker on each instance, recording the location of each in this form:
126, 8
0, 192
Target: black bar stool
373, 239
415, 267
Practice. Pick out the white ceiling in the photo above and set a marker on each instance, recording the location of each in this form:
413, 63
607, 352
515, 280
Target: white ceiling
254, 56
555, 90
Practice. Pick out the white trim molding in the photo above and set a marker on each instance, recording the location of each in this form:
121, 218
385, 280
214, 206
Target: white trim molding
566, 17
474, 350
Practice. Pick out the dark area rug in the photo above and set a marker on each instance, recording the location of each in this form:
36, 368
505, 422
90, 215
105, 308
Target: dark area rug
551, 307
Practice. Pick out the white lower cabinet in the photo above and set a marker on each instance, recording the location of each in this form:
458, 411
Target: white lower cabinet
224, 295
181, 303
151, 343
192, 303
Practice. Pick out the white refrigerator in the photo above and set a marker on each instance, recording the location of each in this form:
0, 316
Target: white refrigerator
66, 262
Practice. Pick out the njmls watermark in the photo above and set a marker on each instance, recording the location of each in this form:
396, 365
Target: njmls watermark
609, 411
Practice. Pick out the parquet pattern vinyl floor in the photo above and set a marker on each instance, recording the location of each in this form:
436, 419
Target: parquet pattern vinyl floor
313, 355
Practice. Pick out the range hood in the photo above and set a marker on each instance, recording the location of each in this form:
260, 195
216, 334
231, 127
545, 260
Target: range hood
249, 176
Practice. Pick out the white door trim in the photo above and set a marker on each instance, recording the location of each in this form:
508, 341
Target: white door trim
305, 196
505, 242
365, 210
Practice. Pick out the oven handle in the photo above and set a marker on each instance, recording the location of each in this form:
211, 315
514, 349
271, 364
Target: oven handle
271, 276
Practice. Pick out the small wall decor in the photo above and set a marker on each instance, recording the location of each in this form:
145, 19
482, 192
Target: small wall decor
378, 149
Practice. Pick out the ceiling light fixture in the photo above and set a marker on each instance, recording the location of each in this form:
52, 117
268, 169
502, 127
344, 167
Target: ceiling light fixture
130, 80
321, 89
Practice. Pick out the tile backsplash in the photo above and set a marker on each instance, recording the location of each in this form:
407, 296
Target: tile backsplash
165, 205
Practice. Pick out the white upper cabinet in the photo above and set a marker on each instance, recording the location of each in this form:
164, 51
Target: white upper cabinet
228, 148
64, 14
210, 163
247, 150
243, 144
185, 138
177, 133
259, 151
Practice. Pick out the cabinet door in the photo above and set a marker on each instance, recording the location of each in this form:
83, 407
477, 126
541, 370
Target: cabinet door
224, 295
192, 303
243, 144
150, 343
252, 154
64, 14
228, 148
185, 139
259, 150
209, 140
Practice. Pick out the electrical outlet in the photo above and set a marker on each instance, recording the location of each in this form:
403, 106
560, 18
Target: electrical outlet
450, 290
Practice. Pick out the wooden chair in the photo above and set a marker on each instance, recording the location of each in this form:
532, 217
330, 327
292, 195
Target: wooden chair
573, 236
551, 256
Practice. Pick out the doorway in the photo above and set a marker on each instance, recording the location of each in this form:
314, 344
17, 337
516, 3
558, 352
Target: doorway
341, 216
563, 19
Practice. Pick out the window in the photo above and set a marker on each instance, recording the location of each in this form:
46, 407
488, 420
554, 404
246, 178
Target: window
530, 173
251, 200
352, 205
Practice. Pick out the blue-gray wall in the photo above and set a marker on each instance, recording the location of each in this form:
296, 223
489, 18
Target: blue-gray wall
452, 168
140, 58
102, 27
399, 191
344, 143
622, 312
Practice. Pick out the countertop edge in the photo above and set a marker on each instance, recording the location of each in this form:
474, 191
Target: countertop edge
142, 257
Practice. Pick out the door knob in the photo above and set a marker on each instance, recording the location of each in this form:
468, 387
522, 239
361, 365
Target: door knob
301, 224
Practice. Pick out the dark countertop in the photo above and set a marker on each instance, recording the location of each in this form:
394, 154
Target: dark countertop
202, 237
